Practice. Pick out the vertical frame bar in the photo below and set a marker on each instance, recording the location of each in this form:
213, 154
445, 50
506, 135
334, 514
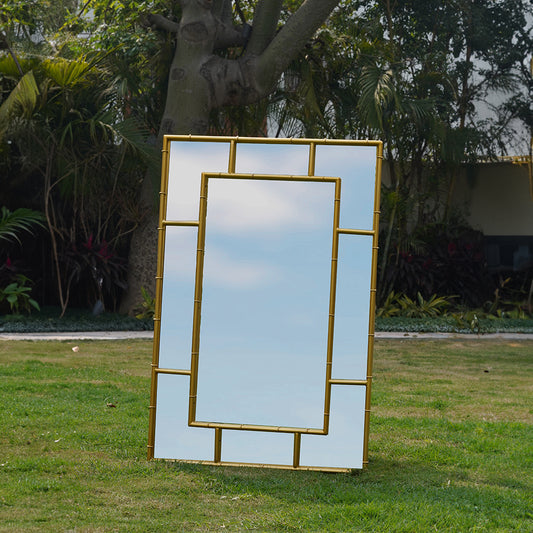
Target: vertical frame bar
332, 300
218, 445
159, 294
373, 290
312, 159
197, 313
232, 155
296, 450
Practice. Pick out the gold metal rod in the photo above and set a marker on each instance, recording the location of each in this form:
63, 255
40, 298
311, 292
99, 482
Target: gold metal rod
332, 298
218, 445
270, 177
347, 231
373, 287
158, 295
312, 159
200, 252
269, 140
330, 469
179, 223
296, 450
172, 371
256, 427
363, 382
232, 156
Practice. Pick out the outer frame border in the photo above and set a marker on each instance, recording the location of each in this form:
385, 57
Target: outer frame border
163, 223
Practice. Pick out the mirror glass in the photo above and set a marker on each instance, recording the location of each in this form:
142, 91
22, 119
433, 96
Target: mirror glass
265, 303
356, 165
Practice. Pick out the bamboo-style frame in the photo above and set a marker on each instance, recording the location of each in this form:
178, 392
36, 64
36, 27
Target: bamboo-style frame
192, 372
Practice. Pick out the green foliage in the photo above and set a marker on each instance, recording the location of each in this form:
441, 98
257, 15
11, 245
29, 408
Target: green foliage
147, 308
95, 272
71, 145
75, 125
12, 223
22, 100
75, 319
402, 305
449, 323
17, 296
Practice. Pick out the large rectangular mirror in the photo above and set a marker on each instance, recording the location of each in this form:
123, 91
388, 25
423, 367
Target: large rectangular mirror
264, 313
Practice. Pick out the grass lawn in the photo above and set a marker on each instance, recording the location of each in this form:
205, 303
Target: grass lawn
451, 448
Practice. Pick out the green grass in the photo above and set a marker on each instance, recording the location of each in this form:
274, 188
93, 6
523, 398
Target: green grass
451, 448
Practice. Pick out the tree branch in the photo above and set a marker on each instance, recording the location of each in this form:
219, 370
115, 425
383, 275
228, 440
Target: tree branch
229, 35
264, 25
285, 46
162, 23
4, 43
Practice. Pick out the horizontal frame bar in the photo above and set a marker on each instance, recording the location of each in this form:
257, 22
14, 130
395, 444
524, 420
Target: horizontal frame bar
356, 382
270, 177
327, 469
172, 371
166, 223
269, 140
346, 231
256, 427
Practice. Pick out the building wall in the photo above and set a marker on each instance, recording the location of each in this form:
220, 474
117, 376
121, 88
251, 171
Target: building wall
497, 198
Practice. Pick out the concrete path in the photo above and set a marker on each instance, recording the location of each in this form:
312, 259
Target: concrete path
123, 335
77, 336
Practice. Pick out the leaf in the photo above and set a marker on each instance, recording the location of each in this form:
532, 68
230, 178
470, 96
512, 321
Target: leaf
14, 222
23, 98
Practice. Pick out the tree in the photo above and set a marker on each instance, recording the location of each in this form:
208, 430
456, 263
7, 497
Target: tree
202, 78
420, 73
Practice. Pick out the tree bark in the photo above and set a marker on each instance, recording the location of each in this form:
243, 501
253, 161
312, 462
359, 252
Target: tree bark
200, 80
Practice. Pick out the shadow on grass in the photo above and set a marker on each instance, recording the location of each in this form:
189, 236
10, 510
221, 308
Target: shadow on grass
407, 491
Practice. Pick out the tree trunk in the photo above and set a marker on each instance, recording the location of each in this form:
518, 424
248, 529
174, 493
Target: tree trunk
200, 81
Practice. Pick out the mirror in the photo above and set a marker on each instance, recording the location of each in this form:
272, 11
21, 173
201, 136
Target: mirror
287, 231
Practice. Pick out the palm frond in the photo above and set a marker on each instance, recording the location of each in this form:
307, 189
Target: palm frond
23, 97
12, 223
377, 94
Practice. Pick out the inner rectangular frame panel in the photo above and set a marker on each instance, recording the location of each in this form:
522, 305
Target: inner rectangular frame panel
191, 373
195, 352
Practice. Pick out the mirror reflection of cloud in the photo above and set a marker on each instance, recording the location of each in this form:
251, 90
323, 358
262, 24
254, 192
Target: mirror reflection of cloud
225, 268
187, 162
228, 270
246, 206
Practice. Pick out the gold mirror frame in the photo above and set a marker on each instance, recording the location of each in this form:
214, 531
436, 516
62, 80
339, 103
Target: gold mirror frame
200, 224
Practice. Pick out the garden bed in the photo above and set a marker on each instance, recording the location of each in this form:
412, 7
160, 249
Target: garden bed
449, 324
48, 320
